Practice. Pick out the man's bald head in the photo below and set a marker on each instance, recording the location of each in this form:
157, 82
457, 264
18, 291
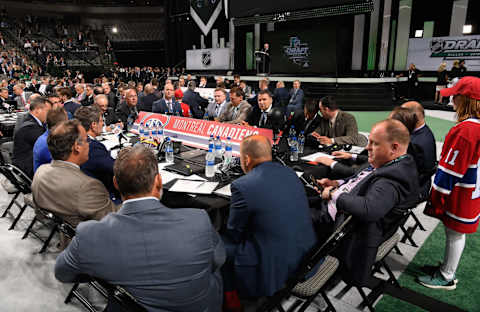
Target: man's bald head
254, 150
417, 108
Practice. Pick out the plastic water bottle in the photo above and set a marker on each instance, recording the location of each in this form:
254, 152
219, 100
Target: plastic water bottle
227, 157
154, 132
205, 117
291, 134
218, 147
294, 150
301, 142
141, 130
211, 143
210, 164
160, 132
169, 151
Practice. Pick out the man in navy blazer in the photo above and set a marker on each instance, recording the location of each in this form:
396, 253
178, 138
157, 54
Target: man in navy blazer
100, 163
296, 98
167, 259
269, 228
167, 105
69, 104
193, 99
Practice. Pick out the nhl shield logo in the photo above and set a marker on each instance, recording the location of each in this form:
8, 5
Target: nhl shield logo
436, 45
206, 58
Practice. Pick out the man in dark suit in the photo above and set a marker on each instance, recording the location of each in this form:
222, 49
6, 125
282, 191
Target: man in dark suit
99, 164
261, 116
127, 110
89, 96
269, 215
4, 98
423, 141
109, 117
336, 126
306, 120
145, 103
376, 197
167, 105
112, 99
179, 248
296, 98
69, 104
281, 96
194, 101
27, 134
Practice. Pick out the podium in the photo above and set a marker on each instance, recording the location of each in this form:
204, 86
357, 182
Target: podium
262, 60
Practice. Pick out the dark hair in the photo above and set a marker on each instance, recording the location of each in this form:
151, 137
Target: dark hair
330, 102
406, 116
311, 105
55, 116
265, 92
62, 137
236, 76
65, 91
88, 115
98, 90
135, 170
38, 102
237, 91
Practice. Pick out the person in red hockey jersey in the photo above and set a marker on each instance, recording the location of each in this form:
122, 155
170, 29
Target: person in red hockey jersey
455, 195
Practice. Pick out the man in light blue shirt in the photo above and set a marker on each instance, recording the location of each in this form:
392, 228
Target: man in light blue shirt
41, 154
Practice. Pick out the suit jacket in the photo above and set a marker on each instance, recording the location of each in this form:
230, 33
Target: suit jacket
376, 203
146, 103
228, 113
168, 259
211, 109
87, 101
196, 103
23, 141
306, 126
281, 97
110, 117
423, 143
20, 104
345, 130
99, 164
271, 226
71, 107
255, 116
295, 101
63, 188
126, 114
161, 107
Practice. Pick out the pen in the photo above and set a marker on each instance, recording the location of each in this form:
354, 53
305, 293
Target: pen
202, 184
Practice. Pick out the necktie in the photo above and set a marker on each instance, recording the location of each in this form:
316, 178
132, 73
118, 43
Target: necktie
217, 110
235, 110
263, 119
170, 109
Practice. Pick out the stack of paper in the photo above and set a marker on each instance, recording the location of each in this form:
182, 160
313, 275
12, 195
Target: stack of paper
193, 187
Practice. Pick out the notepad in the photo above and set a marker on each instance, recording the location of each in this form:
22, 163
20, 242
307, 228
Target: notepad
314, 156
193, 187
224, 191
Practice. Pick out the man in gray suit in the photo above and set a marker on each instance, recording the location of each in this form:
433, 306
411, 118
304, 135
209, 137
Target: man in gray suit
336, 126
22, 97
216, 108
168, 259
237, 109
61, 186
296, 98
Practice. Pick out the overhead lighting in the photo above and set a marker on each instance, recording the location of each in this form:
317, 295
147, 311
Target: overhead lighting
419, 33
114, 30
467, 29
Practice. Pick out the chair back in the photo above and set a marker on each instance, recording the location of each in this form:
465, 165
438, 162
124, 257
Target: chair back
6, 152
17, 177
119, 299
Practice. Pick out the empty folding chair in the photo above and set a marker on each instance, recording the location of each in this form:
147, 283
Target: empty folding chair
22, 183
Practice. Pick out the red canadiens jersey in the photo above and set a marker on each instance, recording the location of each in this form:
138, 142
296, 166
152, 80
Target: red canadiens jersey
456, 188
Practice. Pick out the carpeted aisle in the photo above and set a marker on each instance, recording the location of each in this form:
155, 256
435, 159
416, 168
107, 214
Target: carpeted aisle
467, 294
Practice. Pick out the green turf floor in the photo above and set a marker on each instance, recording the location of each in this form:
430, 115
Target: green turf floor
467, 294
439, 127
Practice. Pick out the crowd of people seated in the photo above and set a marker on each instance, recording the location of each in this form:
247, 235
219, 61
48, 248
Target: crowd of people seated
131, 236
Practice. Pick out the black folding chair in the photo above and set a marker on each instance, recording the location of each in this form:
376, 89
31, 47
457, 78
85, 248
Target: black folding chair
22, 183
297, 283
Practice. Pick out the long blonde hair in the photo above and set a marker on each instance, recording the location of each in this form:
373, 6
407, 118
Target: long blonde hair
467, 107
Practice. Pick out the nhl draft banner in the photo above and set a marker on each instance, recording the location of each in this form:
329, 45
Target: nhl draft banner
208, 59
429, 53
196, 132
205, 13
